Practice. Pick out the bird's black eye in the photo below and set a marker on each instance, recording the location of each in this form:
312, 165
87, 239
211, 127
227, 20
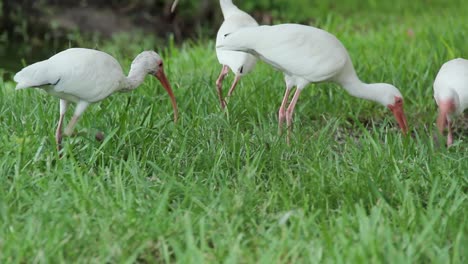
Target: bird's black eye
225, 35
160, 64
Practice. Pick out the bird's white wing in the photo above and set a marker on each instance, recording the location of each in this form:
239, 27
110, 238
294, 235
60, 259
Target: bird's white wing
90, 74
87, 74
36, 75
453, 76
297, 50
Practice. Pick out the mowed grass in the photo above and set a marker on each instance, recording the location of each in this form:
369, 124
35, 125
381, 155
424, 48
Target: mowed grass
223, 186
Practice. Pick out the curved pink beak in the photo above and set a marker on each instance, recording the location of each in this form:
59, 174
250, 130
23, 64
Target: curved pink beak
400, 117
165, 83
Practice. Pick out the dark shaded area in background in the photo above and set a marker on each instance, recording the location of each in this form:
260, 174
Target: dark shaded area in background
49, 19
36, 22
34, 29
27, 25
54, 18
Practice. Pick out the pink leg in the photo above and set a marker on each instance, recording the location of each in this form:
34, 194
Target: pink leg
234, 84
71, 126
290, 112
80, 108
450, 134
219, 84
58, 132
282, 110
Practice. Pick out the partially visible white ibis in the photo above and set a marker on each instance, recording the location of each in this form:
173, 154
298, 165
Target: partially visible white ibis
240, 63
309, 55
451, 93
174, 5
86, 76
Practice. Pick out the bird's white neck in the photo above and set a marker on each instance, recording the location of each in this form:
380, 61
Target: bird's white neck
135, 77
228, 8
368, 91
381, 93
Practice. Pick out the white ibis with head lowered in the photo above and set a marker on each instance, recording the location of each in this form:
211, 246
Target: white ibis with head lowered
240, 63
306, 55
85, 76
451, 93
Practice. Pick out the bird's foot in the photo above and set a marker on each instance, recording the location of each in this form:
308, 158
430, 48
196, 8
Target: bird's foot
60, 149
99, 136
58, 142
68, 132
449, 140
219, 84
281, 119
223, 104
289, 124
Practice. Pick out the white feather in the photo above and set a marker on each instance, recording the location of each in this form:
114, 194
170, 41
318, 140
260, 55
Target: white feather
74, 74
239, 62
452, 83
306, 55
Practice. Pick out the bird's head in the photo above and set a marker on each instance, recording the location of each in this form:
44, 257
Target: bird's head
151, 63
239, 40
392, 98
222, 41
148, 61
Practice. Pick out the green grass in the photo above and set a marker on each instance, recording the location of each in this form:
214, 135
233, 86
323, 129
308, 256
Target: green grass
224, 187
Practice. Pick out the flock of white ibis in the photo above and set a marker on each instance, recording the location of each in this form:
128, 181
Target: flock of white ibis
304, 54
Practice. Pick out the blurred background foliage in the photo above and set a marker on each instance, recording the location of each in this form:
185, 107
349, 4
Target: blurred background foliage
27, 26
36, 20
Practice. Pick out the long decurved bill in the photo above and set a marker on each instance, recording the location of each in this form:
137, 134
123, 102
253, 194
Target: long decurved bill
400, 117
165, 83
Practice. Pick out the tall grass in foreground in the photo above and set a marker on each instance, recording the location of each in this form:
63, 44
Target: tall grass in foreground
224, 187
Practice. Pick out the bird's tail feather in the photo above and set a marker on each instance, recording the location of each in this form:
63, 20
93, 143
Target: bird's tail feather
32, 76
24, 85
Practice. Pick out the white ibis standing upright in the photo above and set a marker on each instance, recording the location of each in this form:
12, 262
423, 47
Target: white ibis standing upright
86, 76
451, 93
240, 63
310, 55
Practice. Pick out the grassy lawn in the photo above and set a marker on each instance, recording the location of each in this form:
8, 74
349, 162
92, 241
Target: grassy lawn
224, 187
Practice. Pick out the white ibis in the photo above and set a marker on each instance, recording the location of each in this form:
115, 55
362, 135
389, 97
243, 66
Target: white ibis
451, 93
85, 76
310, 55
240, 63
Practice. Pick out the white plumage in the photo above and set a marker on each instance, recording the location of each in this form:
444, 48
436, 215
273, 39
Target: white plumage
240, 63
451, 93
86, 76
309, 55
